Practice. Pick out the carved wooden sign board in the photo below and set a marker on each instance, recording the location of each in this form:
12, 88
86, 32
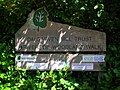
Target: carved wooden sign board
46, 45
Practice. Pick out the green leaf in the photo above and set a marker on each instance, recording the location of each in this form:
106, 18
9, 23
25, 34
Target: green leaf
71, 88
44, 85
53, 88
117, 72
6, 88
39, 18
76, 84
99, 6
2, 75
11, 55
99, 13
64, 82
51, 72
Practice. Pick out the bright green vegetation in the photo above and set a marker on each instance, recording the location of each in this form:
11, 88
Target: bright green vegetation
101, 15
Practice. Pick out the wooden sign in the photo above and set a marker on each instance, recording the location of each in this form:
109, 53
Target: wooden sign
59, 37
38, 35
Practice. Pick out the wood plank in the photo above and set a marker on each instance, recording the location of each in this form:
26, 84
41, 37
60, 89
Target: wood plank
59, 37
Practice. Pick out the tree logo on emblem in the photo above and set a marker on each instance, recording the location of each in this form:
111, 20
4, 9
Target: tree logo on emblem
40, 18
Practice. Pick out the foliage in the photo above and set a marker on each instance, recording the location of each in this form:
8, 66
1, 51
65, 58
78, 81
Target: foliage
101, 15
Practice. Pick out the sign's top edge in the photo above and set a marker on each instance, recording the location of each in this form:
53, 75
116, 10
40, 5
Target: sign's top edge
72, 26
32, 22
26, 25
